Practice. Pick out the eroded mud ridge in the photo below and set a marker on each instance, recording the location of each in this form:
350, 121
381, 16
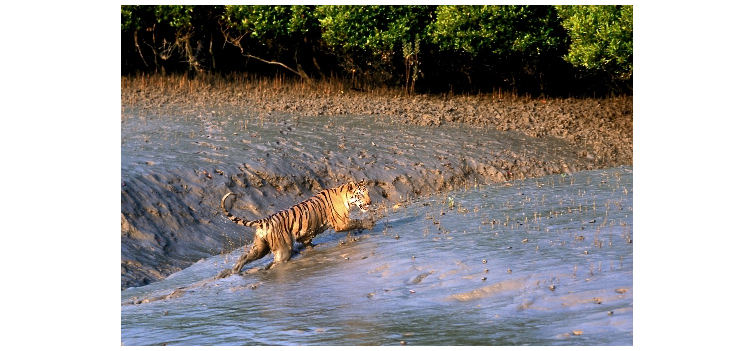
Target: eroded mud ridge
180, 157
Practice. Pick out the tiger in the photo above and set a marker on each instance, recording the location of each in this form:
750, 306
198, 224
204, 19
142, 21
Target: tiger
301, 223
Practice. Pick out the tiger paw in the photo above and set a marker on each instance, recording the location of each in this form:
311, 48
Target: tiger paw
224, 273
368, 223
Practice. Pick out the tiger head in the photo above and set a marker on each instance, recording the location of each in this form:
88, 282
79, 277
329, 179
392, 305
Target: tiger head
358, 195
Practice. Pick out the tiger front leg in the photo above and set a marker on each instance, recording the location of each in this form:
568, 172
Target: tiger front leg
259, 249
367, 223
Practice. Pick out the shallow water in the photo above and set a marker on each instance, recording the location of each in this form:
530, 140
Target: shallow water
428, 274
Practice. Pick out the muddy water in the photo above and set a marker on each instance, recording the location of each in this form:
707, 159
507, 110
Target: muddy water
540, 261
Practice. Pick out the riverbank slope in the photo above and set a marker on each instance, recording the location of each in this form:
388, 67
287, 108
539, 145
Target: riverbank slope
279, 143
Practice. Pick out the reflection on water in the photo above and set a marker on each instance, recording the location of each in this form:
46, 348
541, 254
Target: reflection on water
545, 261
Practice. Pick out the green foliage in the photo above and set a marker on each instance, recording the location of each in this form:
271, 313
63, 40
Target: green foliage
177, 16
516, 45
138, 17
133, 17
269, 22
601, 37
379, 29
503, 30
302, 19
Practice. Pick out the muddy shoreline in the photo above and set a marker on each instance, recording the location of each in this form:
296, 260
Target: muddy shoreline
169, 212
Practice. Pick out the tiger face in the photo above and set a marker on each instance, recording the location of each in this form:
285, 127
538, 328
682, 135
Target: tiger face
359, 196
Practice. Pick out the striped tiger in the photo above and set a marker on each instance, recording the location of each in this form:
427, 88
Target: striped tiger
301, 223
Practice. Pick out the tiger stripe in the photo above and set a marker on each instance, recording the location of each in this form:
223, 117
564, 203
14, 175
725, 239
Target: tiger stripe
278, 232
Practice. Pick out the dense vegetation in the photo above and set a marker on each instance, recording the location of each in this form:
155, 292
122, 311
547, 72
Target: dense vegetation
552, 50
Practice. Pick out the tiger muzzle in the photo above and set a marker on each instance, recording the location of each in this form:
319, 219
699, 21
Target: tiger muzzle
365, 206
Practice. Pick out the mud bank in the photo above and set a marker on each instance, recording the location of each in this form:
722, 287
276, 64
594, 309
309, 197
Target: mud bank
603, 125
185, 145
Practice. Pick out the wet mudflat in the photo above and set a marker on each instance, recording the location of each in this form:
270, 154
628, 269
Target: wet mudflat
177, 165
188, 141
538, 261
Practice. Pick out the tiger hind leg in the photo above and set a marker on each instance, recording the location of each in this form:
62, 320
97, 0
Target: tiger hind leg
259, 249
282, 254
308, 244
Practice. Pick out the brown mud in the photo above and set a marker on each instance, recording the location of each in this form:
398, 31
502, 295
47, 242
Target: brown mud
170, 216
